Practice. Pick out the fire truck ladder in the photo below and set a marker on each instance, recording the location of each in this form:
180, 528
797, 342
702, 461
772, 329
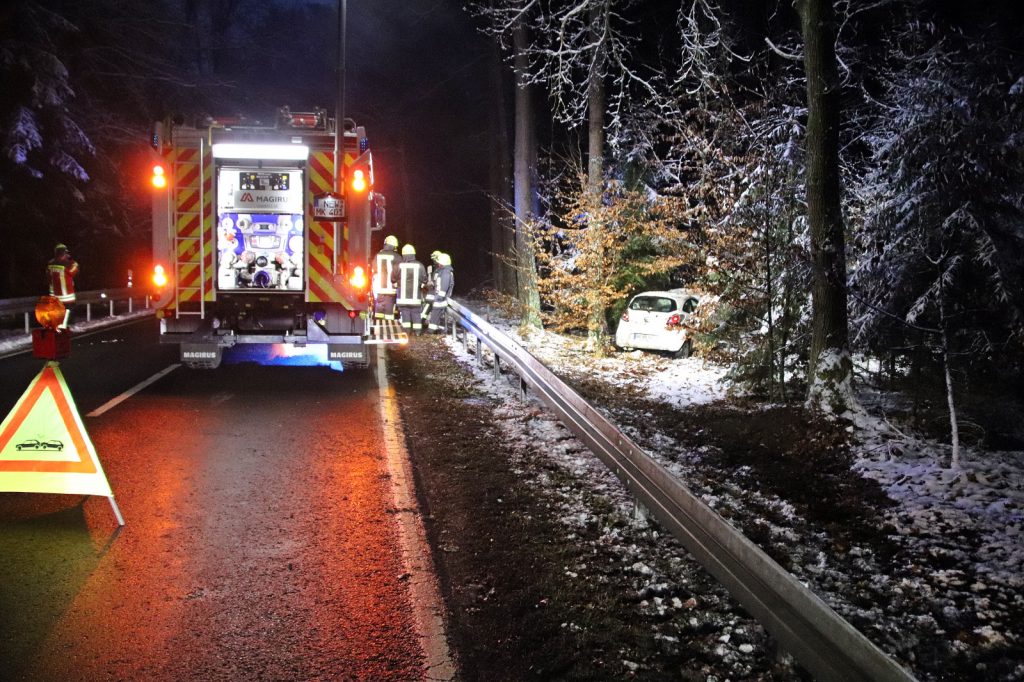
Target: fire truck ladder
189, 204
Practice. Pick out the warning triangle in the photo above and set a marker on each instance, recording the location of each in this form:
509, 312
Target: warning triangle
44, 447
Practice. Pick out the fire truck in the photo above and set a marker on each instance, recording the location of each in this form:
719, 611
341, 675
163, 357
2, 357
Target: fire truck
252, 244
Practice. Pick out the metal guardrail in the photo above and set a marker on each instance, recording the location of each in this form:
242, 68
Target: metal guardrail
819, 638
26, 305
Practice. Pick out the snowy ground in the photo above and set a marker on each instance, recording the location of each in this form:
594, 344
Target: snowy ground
946, 601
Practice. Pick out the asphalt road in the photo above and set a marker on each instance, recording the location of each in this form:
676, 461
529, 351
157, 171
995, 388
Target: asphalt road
258, 544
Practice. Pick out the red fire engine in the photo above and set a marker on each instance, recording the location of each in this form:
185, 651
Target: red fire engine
252, 245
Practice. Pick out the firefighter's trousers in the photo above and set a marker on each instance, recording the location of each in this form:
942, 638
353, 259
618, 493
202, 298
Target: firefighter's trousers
384, 306
410, 315
437, 314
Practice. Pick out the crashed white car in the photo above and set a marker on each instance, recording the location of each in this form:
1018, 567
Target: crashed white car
657, 320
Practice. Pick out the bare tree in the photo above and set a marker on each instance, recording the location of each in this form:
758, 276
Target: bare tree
830, 368
502, 215
525, 165
508, 23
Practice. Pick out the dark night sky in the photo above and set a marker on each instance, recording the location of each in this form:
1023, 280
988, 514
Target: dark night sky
416, 76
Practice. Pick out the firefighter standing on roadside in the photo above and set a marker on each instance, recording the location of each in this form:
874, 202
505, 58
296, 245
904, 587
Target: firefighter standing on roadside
60, 275
410, 282
384, 280
428, 298
444, 283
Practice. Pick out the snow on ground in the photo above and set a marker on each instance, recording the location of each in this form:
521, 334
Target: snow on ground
969, 521
14, 340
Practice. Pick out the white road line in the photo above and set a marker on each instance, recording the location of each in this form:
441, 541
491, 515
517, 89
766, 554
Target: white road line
111, 404
428, 610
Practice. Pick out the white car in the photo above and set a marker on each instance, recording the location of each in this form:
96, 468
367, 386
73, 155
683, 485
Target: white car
656, 320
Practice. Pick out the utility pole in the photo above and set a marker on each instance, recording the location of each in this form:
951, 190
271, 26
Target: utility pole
339, 107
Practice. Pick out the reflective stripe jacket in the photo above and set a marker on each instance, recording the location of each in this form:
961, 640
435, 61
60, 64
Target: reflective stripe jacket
384, 271
444, 283
412, 276
61, 276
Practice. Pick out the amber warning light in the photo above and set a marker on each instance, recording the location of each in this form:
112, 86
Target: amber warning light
159, 178
359, 180
49, 312
159, 276
358, 278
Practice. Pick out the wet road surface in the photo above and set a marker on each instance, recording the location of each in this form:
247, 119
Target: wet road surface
259, 541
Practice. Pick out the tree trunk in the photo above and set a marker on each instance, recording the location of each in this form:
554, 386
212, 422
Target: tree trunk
829, 365
597, 325
525, 187
502, 226
954, 430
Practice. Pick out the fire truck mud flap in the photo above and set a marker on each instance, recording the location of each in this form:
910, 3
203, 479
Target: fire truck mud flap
200, 355
354, 355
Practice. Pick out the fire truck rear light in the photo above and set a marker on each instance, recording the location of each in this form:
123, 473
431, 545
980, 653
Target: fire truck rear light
358, 278
159, 178
359, 180
353, 314
159, 276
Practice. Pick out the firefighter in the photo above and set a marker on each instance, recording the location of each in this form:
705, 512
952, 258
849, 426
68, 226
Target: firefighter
383, 280
444, 283
428, 299
60, 275
410, 282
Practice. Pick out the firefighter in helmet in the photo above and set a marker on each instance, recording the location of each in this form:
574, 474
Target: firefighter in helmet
411, 280
384, 280
444, 283
60, 275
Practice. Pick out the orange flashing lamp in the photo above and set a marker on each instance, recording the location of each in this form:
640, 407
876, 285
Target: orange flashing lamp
358, 277
359, 180
49, 311
50, 342
159, 276
159, 179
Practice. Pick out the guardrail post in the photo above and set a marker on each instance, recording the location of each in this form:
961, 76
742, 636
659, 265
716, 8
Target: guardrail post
26, 324
147, 301
640, 513
130, 300
88, 312
497, 366
479, 352
522, 388
111, 307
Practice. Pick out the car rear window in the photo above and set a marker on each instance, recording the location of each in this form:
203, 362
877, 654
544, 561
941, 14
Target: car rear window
657, 304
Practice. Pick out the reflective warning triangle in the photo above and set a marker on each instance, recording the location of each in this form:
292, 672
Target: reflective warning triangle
43, 444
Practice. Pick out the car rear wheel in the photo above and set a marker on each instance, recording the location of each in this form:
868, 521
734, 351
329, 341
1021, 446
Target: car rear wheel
685, 350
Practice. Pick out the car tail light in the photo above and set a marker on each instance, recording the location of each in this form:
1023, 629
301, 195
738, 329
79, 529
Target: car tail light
673, 321
625, 315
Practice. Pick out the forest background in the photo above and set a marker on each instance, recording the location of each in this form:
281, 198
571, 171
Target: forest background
616, 146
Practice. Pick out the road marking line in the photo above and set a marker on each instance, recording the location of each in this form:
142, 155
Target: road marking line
427, 607
111, 404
